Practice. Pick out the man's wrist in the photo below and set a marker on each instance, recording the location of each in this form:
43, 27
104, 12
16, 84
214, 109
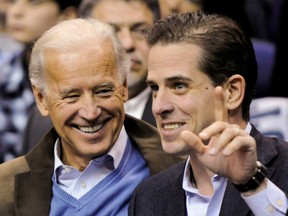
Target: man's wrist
255, 181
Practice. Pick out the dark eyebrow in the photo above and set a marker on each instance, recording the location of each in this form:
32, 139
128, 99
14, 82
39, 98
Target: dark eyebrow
179, 78
171, 79
132, 25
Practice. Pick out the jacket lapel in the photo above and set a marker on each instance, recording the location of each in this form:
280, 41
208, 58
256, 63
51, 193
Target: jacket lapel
37, 182
233, 204
173, 200
266, 150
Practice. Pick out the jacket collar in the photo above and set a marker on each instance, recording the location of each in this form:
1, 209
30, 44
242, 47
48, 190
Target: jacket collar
36, 184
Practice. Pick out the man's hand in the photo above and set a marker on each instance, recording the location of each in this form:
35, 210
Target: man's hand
228, 150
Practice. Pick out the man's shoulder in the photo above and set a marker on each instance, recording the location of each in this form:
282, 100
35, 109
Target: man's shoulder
137, 128
13, 167
136, 123
271, 145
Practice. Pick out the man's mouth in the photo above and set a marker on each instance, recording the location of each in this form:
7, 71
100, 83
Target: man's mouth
172, 126
135, 65
90, 129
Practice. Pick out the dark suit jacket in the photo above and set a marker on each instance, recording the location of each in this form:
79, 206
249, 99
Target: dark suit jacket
162, 194
26, 182
38, 125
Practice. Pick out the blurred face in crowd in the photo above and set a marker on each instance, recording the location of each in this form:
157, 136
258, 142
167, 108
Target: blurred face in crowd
28, 19
168, 7
183, 96
129, 20
84, 98
4, 4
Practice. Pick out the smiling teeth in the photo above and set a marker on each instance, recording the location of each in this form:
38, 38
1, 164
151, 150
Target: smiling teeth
172, 126
93, 129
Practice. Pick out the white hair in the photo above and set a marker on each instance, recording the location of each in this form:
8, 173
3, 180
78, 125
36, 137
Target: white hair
67, 35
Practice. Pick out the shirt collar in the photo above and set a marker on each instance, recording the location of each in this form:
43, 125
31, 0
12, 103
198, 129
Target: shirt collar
116, 152
248, 128
134, 102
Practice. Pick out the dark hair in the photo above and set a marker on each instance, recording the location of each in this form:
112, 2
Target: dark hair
87, 6
226, 48
63, 4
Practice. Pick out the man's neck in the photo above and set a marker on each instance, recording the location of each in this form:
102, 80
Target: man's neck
201, 177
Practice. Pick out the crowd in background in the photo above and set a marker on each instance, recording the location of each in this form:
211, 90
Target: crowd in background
263, 20
109, 103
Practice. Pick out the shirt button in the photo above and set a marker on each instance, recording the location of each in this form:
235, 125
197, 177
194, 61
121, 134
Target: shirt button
279, 202
67, 170
83, 185
270, 209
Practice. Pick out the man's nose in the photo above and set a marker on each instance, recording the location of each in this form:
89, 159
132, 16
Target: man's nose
162, 103
126, 37
89, 109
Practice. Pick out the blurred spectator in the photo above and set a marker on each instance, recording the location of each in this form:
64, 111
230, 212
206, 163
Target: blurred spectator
26, 21
7, 44
4, 4
168, 7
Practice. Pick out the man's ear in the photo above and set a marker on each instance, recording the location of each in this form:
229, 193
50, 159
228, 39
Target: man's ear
69, 13
125, 91
40, 101
234, 91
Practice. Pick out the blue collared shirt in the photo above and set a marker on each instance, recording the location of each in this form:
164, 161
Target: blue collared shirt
78, 183
201, 205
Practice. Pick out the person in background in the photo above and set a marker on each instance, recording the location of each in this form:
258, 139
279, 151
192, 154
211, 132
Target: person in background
7, 44
25, 21
202, 89
168, 7
4, 4
129, 26
94, 156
